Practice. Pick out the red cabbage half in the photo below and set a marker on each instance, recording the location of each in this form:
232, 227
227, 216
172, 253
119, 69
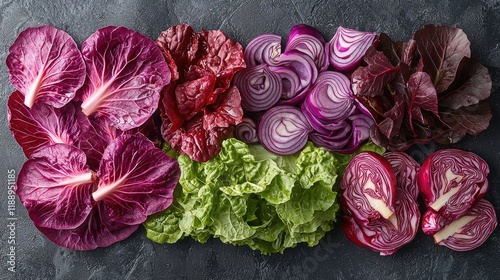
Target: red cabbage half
46, 66
452, 180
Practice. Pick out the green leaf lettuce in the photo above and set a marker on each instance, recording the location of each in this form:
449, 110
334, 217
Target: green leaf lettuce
248, 196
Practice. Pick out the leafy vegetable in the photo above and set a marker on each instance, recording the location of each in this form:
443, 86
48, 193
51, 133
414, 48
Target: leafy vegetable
55, 186
249, 196
45, 66
125, 74
135, 179
199, 106
98, 230
89, 181
369, 187
43, 125
424, 89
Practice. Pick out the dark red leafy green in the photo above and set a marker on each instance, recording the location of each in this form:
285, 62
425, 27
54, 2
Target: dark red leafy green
386, 236
43, 125
200, 106
45, 66
424, 89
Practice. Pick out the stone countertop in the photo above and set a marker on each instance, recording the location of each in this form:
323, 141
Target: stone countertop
335, 257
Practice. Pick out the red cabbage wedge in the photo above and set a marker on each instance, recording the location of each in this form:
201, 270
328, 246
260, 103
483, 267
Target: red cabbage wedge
452, 180
369, 187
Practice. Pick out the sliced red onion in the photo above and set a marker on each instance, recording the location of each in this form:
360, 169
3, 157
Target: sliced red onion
345, 137
308, 40
246, 131
260, 88
263, 49
347, 48
406, 169
452, 180
334, 141
290, 81
283, 130
331, 98
466, 232
369, 187
386, 236
304, 68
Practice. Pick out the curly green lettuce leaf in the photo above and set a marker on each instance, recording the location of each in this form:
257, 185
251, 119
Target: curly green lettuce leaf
248, 196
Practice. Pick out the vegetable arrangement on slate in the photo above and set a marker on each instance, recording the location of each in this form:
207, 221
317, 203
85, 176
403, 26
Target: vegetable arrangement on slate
194, 135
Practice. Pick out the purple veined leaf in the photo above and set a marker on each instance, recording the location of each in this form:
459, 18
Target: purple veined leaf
371, 80
136, 179
472, 84
347, 48
46, 66
465, 120
98, 230
55, 186
125, 73
308, 40
43, 125
263, 49
397, 52
95, 139
99, 134
441, 49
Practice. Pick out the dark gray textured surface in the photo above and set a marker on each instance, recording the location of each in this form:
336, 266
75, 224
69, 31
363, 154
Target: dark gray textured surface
335, 257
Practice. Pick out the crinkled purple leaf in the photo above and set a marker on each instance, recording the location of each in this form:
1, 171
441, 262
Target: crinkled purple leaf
441, 49
125, 73
55, 186
98, 230
46, 66
43, 125
136, 179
